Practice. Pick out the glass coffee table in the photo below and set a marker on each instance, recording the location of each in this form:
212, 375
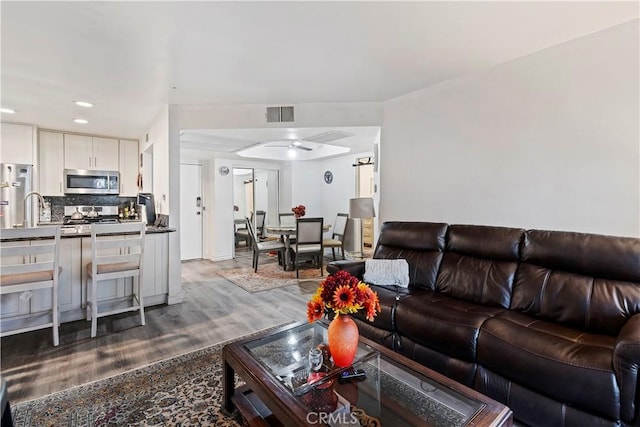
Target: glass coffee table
390, 389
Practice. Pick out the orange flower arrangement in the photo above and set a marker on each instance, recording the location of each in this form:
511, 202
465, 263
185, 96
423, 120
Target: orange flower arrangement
343, 293
299, 210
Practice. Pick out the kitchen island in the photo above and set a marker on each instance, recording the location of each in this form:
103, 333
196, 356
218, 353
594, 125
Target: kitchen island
75, 254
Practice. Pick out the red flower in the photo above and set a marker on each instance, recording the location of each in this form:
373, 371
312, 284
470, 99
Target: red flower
344, 297
315, 308
299, 210
343, 293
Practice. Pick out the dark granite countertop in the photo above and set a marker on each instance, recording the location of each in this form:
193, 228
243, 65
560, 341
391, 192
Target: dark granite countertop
66, 235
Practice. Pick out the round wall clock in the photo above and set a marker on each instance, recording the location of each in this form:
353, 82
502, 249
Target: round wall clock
328, 177
223, 170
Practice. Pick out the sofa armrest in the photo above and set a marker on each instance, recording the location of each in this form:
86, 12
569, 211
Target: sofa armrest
356, 268
626, 363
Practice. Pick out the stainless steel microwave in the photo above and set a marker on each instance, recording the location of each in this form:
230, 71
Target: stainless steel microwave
80, 181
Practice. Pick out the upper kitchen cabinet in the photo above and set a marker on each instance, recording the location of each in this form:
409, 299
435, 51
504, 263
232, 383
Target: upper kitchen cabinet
51, 163
90, 152
17, 144
128, 167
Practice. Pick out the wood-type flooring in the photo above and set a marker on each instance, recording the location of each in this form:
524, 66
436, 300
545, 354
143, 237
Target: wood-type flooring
214, 310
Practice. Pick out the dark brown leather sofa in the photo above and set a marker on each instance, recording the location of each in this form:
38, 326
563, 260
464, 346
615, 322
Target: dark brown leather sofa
546, 322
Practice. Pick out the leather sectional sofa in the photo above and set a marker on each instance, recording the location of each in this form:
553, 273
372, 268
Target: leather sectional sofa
546, 322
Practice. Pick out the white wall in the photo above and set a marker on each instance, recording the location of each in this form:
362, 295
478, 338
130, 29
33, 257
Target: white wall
159, 138
320, 198
546, 141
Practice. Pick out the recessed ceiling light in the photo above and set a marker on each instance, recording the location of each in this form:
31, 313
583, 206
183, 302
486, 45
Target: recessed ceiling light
81, 121
84, 104
7, 110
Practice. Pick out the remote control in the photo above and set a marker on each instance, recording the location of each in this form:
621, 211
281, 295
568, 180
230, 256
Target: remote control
351, 375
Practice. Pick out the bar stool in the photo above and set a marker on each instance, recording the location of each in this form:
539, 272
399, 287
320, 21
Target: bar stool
116, 252
30, 261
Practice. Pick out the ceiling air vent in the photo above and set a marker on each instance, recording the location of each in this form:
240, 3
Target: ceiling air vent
279, 114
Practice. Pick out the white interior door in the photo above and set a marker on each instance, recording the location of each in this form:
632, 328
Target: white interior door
191, 211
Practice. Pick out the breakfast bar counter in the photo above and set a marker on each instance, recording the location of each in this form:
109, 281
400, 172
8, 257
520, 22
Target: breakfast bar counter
75, 255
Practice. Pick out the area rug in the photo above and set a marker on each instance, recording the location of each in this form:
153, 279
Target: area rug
269, 276
182, 391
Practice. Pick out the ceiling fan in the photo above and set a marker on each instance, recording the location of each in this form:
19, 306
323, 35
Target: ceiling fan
293, 145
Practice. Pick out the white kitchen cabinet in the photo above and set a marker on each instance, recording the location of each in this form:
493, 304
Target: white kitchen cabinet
17, 144
107, 289
128, 167
51, 163
90, 152
155, 264
11, 304
105, 154
70, 261
69, 297
78, 151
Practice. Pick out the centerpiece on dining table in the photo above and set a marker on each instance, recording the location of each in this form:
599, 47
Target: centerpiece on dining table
299, 211
343, 294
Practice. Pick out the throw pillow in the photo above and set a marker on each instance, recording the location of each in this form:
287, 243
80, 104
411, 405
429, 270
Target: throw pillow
387, 272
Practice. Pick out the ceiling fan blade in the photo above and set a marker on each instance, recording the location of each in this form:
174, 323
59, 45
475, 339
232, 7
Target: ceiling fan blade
304, 148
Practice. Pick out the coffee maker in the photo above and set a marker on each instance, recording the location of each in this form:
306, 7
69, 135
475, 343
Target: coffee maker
147, 208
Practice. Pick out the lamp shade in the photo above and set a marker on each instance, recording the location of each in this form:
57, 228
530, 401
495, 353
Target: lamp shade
361, 207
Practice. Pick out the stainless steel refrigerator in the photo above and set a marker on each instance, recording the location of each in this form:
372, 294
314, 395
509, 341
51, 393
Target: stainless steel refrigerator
15, 183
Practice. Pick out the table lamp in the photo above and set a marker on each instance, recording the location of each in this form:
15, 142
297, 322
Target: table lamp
361, 207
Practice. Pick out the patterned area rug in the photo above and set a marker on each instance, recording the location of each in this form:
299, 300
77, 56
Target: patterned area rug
269, 276
182, 391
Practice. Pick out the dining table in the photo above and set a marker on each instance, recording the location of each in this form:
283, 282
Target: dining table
286, 232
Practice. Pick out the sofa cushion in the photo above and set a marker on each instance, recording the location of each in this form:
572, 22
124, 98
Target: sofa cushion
585, 281
388, 296
562, 363
442, 323
420, 243
480, 264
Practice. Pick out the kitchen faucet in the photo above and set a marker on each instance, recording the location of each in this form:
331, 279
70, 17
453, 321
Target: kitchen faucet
25, 223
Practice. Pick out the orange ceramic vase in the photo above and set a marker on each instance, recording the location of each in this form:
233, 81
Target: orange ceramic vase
343, 340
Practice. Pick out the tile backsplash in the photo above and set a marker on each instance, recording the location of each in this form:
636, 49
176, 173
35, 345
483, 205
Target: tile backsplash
58, 203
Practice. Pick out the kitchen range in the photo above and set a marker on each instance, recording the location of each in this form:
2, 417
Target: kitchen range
78, 219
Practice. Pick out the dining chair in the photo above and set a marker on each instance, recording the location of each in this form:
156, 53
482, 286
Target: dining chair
308, 242
337, 237
116, 252
287, 218
261, 247
242, 234
259, 223
30, 262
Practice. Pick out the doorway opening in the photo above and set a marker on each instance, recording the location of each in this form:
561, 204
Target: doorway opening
365, 188
254, 190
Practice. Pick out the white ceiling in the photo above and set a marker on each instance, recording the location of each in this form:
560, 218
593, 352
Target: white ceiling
130, 58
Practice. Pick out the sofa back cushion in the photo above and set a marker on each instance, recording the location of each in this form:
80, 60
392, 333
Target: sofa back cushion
479, 264
420, 243
587, 281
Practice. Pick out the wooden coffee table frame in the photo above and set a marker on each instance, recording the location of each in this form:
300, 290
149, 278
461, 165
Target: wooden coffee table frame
286, 409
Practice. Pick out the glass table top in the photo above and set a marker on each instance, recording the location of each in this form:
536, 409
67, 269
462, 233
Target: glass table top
390, 393
286, 354
396, 396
